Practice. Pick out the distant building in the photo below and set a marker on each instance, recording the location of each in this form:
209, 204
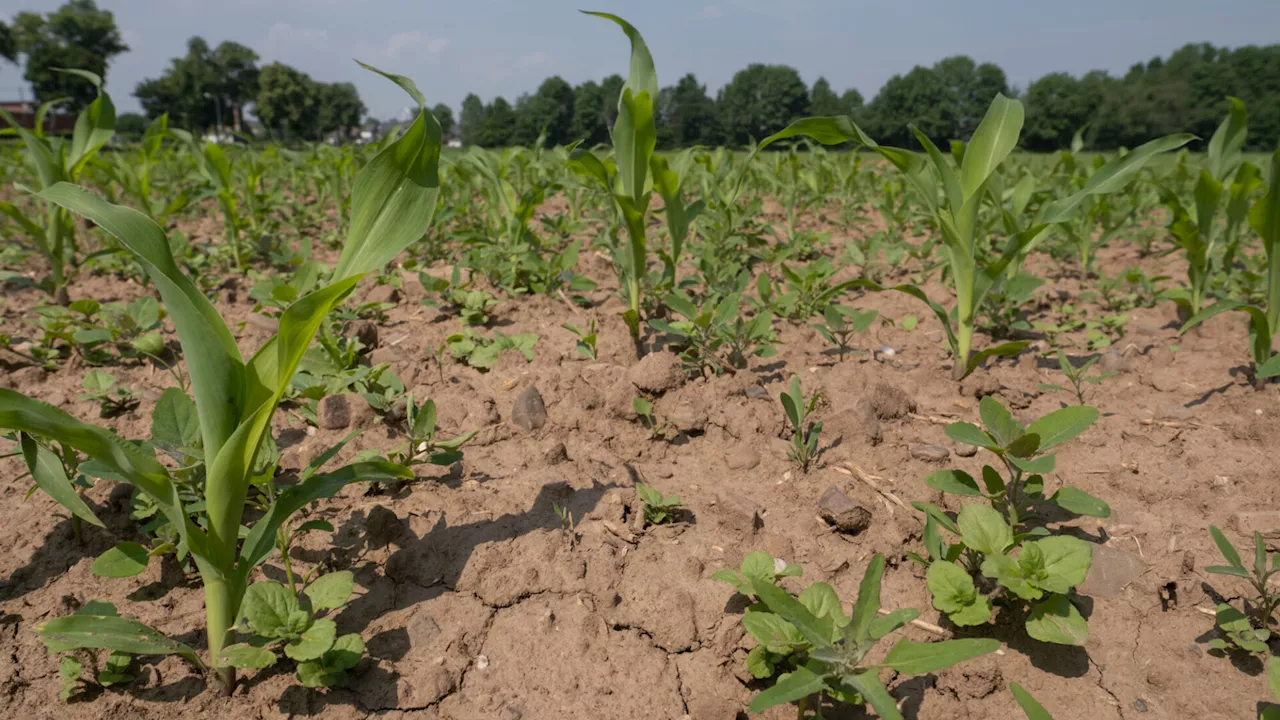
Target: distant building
25, 113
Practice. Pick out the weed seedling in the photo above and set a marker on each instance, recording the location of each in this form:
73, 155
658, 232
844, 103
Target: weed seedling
839, 325
804, 437
813, 649
1077, 376
1248, 633
965, 577
644, 409
658, 509
113, 399
482, 352
586, 339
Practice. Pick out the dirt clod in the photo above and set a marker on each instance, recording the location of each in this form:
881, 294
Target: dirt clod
657, 372
842, 512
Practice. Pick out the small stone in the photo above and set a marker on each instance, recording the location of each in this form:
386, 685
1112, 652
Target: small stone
1140, 705
742, 457
341, 411
262, 322
1113, 361
966, 450
482, 662
657, 372
1264, 522
554, 453
1166, 380
383, 294
529, 413
739, 512
930, 453
756, 392
367, 334
1111, 571
846, 515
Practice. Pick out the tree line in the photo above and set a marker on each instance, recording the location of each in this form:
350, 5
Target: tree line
216, 86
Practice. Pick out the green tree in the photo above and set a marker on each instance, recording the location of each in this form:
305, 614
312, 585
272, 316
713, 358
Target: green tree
687, 115
850, 102
235, 79
76, 35
8, 46
339, 110
287, 102
588, 114
610, 91
761, 100
549, 110
130, 125
203, 87
823, 101
497, 125
471, 119
1057, 106
970, 89
918, 98
445, 117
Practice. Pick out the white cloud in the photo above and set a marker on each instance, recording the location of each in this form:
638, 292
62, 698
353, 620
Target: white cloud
413, 43
284, 39
534, 58
710, 12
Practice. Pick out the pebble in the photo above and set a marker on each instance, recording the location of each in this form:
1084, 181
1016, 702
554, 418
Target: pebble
529, 412
930, 453
367, 334
842, 512
341, 411
1111, 571
742, 457
966, 450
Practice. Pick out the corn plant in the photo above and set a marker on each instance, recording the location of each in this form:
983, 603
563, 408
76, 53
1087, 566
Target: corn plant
954, 191
1264, 323
814, 649
392, 205
634, 173
57, 162
1047, 566
1194, 226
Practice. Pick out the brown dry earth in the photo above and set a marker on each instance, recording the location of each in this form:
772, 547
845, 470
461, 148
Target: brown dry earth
476, 605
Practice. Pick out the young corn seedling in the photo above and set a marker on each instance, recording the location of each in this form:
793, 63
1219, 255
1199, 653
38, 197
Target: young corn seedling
636, 171
1195, 228
965, 576
658, 508
1264, 323
839, 325
115, 668
55, 162
1077, 376
586, 339
1241, 632
954, 190
393, 202
804, 438
422, 445
815, 651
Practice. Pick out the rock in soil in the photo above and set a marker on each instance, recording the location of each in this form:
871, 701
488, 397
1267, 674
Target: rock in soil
1111, 571
342, 411
529, 412
657, 372
930, 453
742, 457
846, 515
966, 450
1266, 522
367, 334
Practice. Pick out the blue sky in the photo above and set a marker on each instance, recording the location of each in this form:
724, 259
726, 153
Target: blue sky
506, 47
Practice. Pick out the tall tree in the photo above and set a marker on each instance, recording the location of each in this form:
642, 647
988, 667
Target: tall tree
76, 35
471, 119
918, 98
589, 114
850, 101
823, 101
549, 110
287, 102
8, 47
339, 109
235, 77
610, 91
498, 124
761, 100
204, 86
1057, 106
687, 115
970, 88
445, 117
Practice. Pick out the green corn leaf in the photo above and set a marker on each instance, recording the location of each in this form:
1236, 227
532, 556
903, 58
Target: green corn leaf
1008, 349
1225, 145
1112, 177
405, 83
213, 359
50, 476
94, 128
992, 142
